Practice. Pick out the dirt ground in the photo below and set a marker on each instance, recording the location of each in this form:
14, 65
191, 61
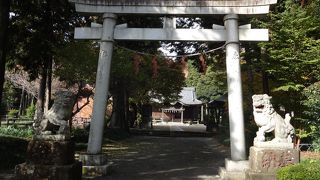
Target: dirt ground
147, 157
309, 155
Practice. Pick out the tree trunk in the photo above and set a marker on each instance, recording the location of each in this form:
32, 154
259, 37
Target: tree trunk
4, 21
120, 111
22, 99
250, 83
265, 79
121, 107
49, 58
41, 96
265, 83
49, 85
113, 118
126, 110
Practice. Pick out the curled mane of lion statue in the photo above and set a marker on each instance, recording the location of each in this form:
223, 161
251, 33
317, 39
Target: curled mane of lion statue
269, 120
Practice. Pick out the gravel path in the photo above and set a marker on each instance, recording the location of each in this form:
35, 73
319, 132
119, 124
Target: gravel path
169, 158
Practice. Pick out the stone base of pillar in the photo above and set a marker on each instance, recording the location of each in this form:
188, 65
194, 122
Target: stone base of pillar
94, 165
49, 157
234, 170
264, 161
250, 175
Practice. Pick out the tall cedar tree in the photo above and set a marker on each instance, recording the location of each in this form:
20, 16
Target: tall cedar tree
4, 20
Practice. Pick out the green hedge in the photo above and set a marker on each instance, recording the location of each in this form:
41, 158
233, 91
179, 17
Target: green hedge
306, 170
80, 135
12, 151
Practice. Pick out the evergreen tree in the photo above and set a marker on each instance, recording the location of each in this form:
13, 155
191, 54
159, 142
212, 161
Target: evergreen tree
4, 20
212, 83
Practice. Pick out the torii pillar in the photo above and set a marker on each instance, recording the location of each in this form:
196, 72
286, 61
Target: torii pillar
94, 160
235, 104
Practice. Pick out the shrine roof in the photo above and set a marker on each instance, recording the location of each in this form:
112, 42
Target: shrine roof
189, 96
174, 6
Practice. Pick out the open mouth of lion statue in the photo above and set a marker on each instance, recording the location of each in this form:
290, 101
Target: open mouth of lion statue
259, 108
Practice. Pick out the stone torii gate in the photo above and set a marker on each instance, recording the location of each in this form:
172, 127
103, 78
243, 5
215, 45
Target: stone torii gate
231, 33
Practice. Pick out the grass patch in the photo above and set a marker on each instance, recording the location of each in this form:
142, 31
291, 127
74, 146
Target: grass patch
15, 131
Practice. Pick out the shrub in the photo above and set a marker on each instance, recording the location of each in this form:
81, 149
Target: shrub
30, 111
3, 107
13, 151
80, 135
316, 144
116, 134
306, 170
13, 113
16, 132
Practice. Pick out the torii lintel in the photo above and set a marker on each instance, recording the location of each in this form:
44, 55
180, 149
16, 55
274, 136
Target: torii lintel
174, 7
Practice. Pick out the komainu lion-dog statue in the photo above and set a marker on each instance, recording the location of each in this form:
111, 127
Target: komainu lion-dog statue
55, 121
269, 120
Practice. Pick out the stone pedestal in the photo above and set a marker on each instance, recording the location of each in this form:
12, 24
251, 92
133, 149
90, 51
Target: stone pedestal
264, 161
94, 165
234, 170
48, 158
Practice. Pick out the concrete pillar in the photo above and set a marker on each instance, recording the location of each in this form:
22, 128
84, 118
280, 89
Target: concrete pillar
102, 85
235, 105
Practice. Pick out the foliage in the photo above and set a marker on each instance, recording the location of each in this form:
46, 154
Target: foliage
316, 142
36, 29
13, 113
143, 85
9, 96
137, 79
13, 151
312, 102
77, 62
80, 135
16, 132
30, 111
306, 170
312, 112
114, 134
210, 85
4, 21
294, 49
3, 107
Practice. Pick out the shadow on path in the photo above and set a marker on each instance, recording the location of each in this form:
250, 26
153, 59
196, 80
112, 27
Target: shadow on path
169, 158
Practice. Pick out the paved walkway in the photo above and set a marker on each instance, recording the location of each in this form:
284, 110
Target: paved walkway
170, 158
166, 158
